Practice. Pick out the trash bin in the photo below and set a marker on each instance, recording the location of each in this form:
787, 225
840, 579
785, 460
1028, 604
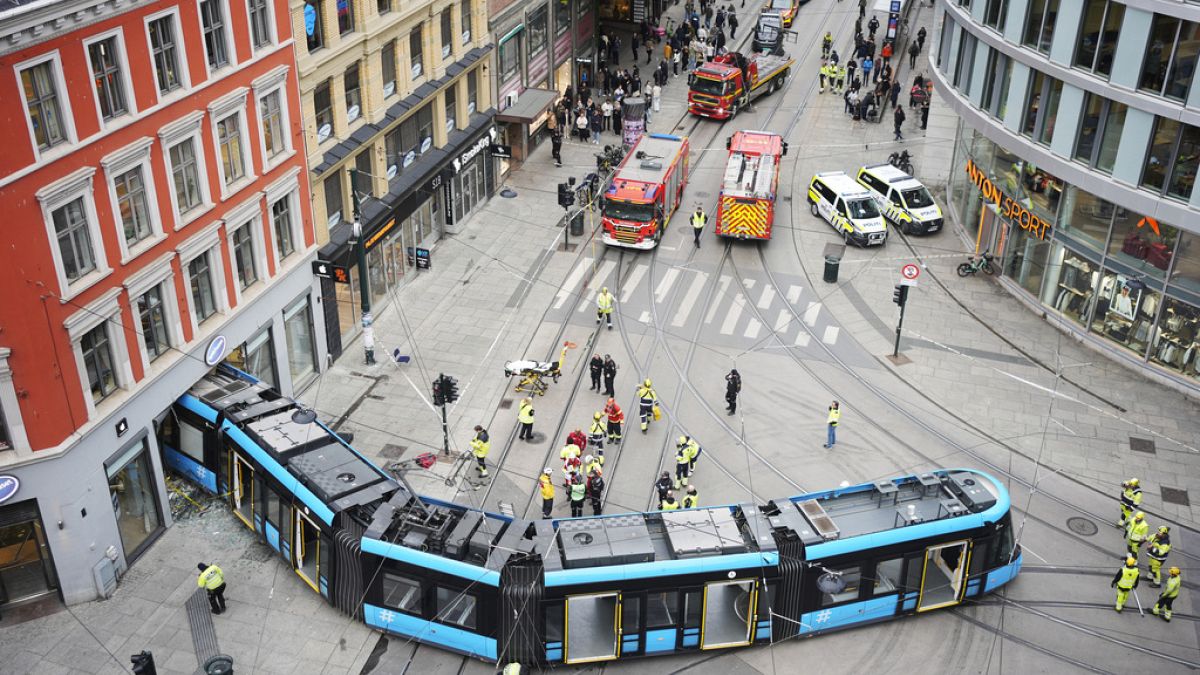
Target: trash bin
219, 665
577, 223
831, 269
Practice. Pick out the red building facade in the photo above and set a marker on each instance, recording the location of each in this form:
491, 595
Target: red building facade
157, 221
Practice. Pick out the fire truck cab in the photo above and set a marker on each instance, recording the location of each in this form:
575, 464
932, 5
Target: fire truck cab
645, 191
727, 84
746, 206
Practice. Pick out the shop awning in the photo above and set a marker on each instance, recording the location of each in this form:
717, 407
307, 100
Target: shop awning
530, 104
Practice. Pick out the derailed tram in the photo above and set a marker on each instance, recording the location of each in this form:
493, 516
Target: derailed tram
593, 589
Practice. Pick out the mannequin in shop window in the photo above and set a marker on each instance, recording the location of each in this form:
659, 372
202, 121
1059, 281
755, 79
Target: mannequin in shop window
1123, 304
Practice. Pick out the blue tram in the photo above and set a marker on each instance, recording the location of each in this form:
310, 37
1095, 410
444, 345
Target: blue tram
581, 590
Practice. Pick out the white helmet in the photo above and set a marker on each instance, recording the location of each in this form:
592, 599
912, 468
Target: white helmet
587, 459
548, 471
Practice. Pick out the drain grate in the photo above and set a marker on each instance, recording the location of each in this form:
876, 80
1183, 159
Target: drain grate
1082, 526
1178, 496
392, 451
506, 404
1145, 445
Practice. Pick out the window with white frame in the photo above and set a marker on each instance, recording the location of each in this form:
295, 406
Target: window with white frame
261, 29
465, 16
204, 276
132, 194
229, 143
98, 362
273, 126
216, 40
387, 58
415, 56
106, 60
229, 131
98, 342
151, 292
244, 237
134, 210
282, 220
283, 209
447, 33
203, 287
74, 239
170, 72
188, 182
350, 82
185, 173
242, 250
48, 114
73, 230
152, 313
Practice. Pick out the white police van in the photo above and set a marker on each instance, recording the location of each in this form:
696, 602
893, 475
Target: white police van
902, 198
848, 207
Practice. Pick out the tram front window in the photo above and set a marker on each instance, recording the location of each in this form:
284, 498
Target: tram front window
1003, 542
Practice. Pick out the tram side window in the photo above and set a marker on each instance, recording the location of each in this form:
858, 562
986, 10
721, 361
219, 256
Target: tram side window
187, 438
912, 576
887, 576
269, 504
554, 621
402, 593
456, 607
661, 609
693, 605
631, 614
853, 578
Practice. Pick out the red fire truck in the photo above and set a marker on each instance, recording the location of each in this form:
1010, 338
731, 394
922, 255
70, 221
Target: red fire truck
746, 206
727, 84
645, 191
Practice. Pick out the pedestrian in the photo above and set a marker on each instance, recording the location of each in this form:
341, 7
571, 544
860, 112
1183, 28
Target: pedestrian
617, 116
596, 120
479, 447
692, 499
733, 386
592, 464
610, 375
647, 403
851, 98
525, 419
604, 307
693, 452
676, 58
821, 72
1125, 581
1131, 499
886, 52
581, 125
656, 93
616, 421
826, 45
841, 77
212, 580
1160, 546
897, 120
546, 485
578, 492
733, 24
556, 145
577, 439
683, 462
1162, 608
872, 26
596, 369
663, 485
699, 220
595, 490
862, 8
925, 113
851, 66
1136, 533
867, 65
606, 109
913, 52
831, 423
921, 39
633, 42
649, 52
668, 503
895, 93
668, 50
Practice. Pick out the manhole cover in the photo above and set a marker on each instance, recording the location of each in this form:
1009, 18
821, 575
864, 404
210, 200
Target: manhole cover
392, 451
1082, 526
1145, 445
1172, 495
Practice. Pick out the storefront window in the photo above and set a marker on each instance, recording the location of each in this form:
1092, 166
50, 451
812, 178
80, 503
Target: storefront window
26, 569
1186, 271
1086, 218
378, 285
349, 311
133, 500
297, 328
257, 357
1026, 262
1142, 243
1070, 287
1177, 338
1125, 311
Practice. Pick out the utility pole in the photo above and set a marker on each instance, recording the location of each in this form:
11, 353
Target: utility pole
900, 297
364, 282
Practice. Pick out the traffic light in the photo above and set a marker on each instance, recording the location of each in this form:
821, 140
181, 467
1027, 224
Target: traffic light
450, 388
900, 294
566, 196
439, 396
143, 663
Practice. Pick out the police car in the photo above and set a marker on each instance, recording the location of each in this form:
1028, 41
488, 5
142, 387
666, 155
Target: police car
902, 198
848, 207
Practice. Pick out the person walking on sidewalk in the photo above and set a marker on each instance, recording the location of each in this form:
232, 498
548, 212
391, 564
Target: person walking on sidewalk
647, 401
596, 369
921, 39
867, 65
913, 52
733, 24
826, 45
656, 95
525, 419
862, 8
699, 220
897, 120
212, 580
831, 424
479, 447
616, 420
895, 93
872, 26
546, 486
1125, 581
925, 112
886, 53
610, 376
604, 307
733, 387
1162, 608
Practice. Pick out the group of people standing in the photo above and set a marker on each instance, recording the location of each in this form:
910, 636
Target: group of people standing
868, 83
1158, 546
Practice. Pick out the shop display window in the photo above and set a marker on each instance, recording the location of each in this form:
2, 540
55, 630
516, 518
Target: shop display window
1177, 337
1125, 311
134, 503
1070, 287
1142, 243
1185, 271
1086, 218
1026, 259
298, 331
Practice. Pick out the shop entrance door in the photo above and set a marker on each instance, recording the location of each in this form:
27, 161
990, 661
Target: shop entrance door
26, 569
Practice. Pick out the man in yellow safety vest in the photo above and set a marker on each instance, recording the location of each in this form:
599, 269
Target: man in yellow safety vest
831, 422
1168, 595
212, 579
699, 220
1160, 546
1125, 581
1136, 533
604, 307
546, 485
479, 447
1131, 498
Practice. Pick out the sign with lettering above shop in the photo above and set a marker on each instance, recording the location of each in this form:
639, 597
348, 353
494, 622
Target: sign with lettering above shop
1008, 207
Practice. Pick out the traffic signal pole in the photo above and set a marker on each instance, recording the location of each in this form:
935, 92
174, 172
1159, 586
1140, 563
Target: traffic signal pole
364, 283
900, 297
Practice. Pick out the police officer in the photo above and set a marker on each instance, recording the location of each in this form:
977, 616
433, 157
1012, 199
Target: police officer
668, 502
663, 485
212, 580
616, 420
596, 433
646, 400
692, 499
610, 376
546, 485
479, 447
699, 220
604, 307
596, 366
1160, 546
578, 492
733, 386
525, 419
1131, 499
1125, 581
595, 490
1162, 608
1136, 533
831, 421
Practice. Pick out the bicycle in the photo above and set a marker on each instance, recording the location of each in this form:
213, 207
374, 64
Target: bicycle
982, 262
902, 161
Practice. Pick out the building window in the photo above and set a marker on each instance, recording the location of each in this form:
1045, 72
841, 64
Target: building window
510, 58
243, 255
384, 6
74, 239
204, 299
314, 29
472, 92
451, 107
944, 43
1097, 40
298, 332
333, 198
151, 311
1049, 112
994, 14
229, 140
447, 33
132, 204
965, 67
1170, 57
562, 16
345, 16
1039, 24
323, 105
1034, 97
212, 20
98, 362
538, 30
1171, 163
997, 76
260, 22
186, 176
41, 100
465, 16
363, 182
1100, 132
353, 95
281, 220
274, 134
164, 50
415, 56
387, 57
106, 74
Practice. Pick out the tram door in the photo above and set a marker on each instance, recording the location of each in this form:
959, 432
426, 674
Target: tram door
942, 582
307, 548
593, 627
242, 492
729, 608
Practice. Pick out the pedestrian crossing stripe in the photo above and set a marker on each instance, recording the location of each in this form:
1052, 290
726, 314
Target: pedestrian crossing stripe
741, 218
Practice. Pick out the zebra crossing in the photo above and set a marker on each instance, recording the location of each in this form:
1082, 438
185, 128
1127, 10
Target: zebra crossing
745, 311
